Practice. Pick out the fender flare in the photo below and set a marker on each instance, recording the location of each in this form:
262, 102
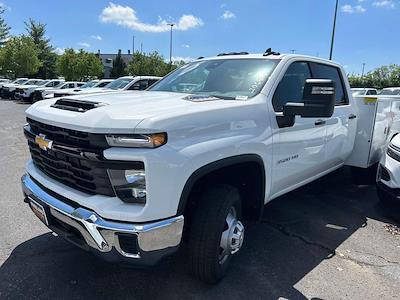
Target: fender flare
216, 165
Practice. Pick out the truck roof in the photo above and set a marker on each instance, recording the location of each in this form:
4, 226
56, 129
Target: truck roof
273, 57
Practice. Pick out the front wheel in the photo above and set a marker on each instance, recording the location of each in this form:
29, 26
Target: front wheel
216, 233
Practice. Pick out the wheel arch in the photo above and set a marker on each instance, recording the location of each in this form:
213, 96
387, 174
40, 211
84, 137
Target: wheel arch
233, 163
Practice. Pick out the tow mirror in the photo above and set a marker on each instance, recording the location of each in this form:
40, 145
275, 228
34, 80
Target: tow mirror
318, 101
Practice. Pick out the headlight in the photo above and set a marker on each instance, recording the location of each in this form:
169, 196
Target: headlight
129, 185
137, 140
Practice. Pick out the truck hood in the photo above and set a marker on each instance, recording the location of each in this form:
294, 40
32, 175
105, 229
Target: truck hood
92, 91
123, 112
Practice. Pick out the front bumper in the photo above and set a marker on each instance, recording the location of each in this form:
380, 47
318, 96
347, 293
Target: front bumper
142, 244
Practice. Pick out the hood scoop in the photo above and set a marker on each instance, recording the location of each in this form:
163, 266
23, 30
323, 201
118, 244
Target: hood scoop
199, 98
76, 105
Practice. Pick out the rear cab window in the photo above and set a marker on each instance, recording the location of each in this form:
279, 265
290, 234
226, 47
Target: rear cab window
322, 71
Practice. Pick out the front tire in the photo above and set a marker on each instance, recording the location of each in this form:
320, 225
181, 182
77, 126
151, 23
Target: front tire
216, 233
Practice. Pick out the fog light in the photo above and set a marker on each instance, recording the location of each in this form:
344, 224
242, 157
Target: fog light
129, 185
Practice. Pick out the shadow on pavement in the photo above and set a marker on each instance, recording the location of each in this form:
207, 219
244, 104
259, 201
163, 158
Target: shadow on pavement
297, 233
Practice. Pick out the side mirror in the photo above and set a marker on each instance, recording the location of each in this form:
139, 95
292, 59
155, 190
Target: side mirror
318, 101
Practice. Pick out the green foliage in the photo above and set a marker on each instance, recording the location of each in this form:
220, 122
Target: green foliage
385, 76
4, 28
80, 65
37, 32
119, 67
19, 57
152, 64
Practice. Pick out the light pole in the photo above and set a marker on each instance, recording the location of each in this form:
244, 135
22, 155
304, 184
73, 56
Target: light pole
170, 43
362, 74
333, 30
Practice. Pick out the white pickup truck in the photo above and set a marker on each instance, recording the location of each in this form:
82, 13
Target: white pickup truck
133, 176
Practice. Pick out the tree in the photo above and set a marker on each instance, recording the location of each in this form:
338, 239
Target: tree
381, 77
119, 67
4, 28
149, 64
79, 65
46, 54
19, 56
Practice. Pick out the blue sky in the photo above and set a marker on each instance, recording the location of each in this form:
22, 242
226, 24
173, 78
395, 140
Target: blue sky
367, 30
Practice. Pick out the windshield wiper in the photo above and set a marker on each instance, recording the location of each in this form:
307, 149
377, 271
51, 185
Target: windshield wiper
222, 97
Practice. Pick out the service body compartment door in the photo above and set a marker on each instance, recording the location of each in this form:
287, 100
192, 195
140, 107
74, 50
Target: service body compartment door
374, 128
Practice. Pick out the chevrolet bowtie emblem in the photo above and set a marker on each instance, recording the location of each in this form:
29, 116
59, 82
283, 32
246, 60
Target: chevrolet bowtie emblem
43, 143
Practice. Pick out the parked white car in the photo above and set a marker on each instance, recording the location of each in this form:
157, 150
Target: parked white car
16, 81
202, 150
28, 92
93, 84
49, 93
36, 94
390, 91
4, 81
364, 91
125, 83
388, 176
21, 89
8, 90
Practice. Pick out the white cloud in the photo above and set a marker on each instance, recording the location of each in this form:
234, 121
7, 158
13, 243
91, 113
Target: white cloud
181, 58
83, 44
96, 37
126, 16
228, 15
59, 50
5, 6
384, 3
347, 8
185, 46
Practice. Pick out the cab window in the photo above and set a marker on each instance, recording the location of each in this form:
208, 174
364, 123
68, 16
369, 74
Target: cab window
291, 87
321, 71
139, 85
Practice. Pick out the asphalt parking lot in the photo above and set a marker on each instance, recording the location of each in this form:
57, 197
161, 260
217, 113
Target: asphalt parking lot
328, 240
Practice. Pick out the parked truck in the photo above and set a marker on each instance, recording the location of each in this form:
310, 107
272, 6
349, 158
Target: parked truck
188, 163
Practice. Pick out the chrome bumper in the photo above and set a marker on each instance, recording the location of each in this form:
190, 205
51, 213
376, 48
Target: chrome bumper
148, 241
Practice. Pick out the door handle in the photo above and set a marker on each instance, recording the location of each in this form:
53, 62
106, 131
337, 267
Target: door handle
351, 117
320, 122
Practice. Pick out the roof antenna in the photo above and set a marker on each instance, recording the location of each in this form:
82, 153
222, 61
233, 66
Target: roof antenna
270, 52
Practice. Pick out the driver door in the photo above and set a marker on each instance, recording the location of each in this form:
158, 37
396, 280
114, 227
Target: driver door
299, 150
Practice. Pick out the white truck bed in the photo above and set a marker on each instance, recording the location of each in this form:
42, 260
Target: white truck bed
378, 119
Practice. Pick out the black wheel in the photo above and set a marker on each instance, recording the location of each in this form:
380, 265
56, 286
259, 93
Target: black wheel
216, 233
35, 97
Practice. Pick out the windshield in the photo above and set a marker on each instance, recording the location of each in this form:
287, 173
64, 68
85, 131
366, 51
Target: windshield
32, 81
89, 84
358, 92
388, 92
225, 78
20, 81
59, 85
102, 84
43, 82
118, 84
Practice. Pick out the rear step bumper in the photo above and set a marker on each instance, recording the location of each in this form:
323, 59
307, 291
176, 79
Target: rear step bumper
142, 244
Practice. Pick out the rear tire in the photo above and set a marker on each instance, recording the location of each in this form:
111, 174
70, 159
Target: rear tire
216, 233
